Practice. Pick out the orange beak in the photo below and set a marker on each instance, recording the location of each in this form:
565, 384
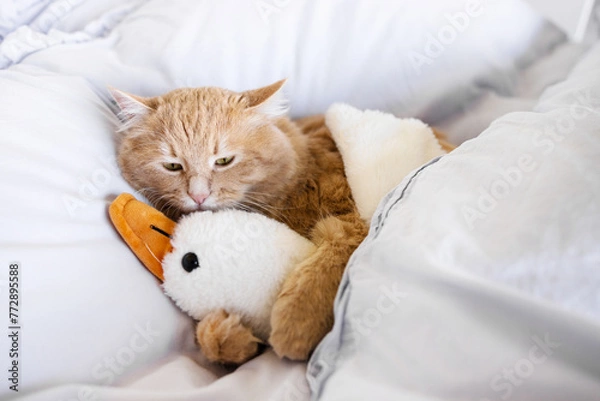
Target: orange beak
146, 230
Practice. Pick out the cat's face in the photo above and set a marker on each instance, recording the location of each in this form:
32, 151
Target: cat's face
205, 148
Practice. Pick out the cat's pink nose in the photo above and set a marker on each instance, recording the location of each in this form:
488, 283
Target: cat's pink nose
199, 198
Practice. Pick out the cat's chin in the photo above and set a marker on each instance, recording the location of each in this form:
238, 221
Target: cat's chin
196, 208
203, 208
207, 208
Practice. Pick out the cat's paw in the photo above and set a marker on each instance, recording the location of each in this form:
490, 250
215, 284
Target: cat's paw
224, 339
298, 323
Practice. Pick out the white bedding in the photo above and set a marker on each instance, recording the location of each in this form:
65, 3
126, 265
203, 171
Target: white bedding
95, 324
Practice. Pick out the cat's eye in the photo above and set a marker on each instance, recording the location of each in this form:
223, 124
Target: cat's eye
173, 166
223, 161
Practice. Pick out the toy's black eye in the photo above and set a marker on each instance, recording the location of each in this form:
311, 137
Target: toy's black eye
189, 261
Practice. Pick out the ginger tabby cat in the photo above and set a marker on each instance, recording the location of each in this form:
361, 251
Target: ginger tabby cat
210, 149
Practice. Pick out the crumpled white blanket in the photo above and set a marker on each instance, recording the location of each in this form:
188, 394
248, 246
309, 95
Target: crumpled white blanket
29, 26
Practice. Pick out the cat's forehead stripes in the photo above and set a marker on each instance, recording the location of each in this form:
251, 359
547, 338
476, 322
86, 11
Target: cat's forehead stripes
203, 122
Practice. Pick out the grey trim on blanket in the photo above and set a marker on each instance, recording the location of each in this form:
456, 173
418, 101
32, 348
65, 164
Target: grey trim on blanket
386, 210
319, 370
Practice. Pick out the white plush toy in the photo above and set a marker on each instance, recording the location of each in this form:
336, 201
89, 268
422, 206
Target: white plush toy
231, 260
238, 261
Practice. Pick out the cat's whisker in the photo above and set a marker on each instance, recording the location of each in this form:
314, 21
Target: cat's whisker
249, 196
148, 193
257, 208
153, 196
248, 203
241, 206
265, 209
167, 204
262, 205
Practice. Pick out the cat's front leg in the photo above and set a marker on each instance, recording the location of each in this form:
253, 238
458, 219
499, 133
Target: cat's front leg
223, 338
303, 312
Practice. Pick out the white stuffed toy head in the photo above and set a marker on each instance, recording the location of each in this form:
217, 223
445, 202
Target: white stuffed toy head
231, 260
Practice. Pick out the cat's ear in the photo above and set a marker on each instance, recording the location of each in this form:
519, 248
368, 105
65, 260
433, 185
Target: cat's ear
268, 100
132, 107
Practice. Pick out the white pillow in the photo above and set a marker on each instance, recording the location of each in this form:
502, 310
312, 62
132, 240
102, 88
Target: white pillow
423, 61
90, 312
